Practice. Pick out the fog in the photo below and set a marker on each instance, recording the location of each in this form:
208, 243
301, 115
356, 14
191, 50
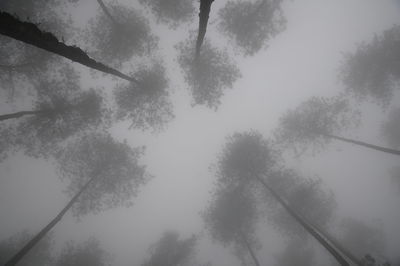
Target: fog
187, 130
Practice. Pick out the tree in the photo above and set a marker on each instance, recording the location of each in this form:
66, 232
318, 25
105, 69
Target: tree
317, 121
60, 111
231, 218
31, 34
247, 157
171, 12
372, 72
295, 253
171, 251
147, 105
209, 75
40, 255
249, 25
120, 32
391, 129
103, 174
204, 14
88, 253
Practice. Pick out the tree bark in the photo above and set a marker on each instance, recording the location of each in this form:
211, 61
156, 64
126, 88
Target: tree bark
24, 250
249, 248
364, 144
340, 259
19, 114
106, 12
205, 8
29, 33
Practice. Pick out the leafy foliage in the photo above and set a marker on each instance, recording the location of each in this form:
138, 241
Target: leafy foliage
171, 251
250, 25
311, 123
147, 103
114, 166
171, 12
209, 75
372, 72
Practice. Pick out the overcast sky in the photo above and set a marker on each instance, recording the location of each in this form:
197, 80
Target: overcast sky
300, 62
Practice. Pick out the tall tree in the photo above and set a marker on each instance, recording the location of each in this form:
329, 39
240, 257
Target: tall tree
204, 14
317, 121
247, 157
40, 255
103, 174
172, 251
372, 72
231, 218
119, 32
249, 24
171, 12
210, 75
61, 111
147, 105
31, 34
88, 253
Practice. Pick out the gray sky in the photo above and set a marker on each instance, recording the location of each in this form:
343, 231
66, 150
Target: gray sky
300, 62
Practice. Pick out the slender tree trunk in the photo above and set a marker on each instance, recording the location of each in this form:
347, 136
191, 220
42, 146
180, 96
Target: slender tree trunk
19, 114
29, 33
364, 144
336, 243
205, 8
340, 259
23, 251
249, 248
107, 12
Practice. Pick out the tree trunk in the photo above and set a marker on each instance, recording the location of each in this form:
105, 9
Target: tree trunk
106, 12
205, 8
364, 144
19, 114
342, 261
23, 251
29, 33
249, 248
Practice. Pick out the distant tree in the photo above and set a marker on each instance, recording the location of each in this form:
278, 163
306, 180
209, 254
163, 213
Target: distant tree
373, 71
247, 157
103, 174
295, 253
391, 129
171, 12
171, 251
231, 219
394, 173
208, 76
317, 121
39, 256
204, 14
119, 32
88, 253
147, 105
60, 111
249, 24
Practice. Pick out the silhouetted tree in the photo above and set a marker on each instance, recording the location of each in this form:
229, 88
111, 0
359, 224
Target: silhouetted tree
88, 253
248, 156
119, 32
31, 34
373, 71
317, 121
147, 105
250, 25
204, 14
210, 75
171, 251
39, 256
171, 12
103, 174
231, 218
